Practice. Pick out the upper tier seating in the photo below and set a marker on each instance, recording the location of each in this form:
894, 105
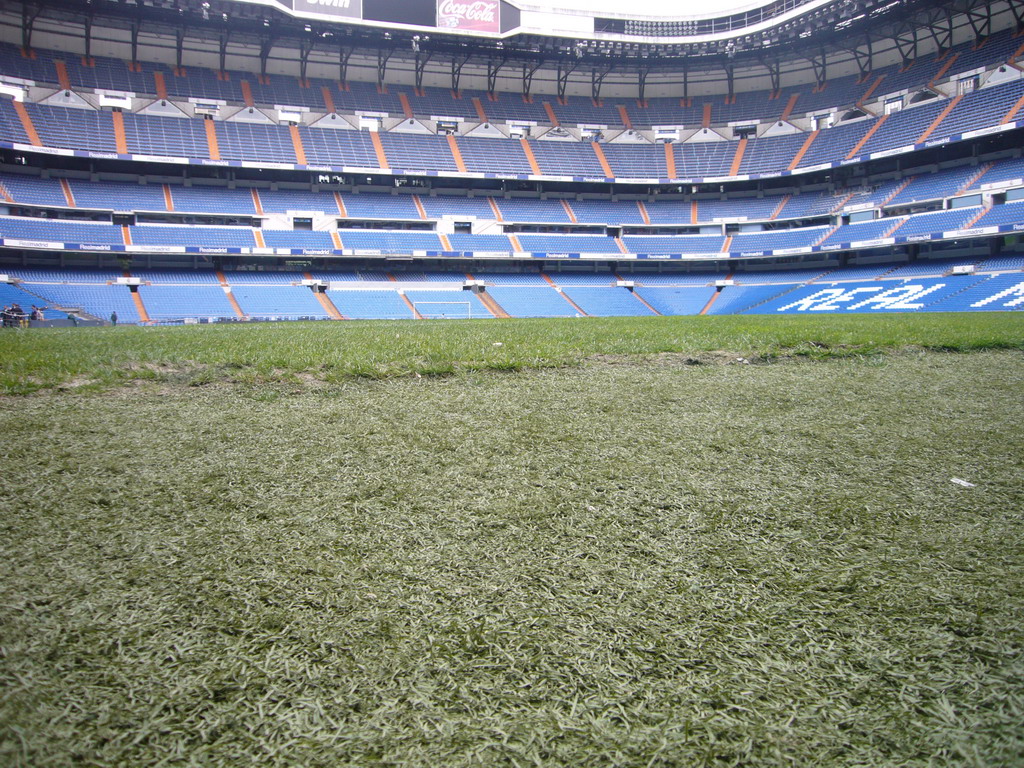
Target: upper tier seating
317, 94
239, 141
60, 231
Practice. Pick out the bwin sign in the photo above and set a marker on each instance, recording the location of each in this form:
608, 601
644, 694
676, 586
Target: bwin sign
348, 8
904, 297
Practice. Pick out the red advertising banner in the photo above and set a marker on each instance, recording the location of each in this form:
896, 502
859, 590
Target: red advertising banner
475, 15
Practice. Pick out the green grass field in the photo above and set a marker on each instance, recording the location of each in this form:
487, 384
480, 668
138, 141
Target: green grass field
669, 542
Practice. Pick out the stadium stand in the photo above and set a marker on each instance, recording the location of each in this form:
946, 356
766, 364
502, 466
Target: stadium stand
59, 211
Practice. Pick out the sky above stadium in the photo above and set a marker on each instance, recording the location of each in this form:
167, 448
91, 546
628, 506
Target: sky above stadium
653, 7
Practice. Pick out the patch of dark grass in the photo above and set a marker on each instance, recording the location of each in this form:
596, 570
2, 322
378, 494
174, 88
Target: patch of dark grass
35, 361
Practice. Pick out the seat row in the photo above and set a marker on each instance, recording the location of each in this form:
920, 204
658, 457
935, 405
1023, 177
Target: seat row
263, 201
59, 234
174, 296
116, 133
237, 87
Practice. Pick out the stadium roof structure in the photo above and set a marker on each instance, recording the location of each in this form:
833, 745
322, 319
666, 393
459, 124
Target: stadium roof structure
775, 39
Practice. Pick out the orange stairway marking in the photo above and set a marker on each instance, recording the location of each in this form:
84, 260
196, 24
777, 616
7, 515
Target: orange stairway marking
670, 161
943, 70
26, 123
624, 117
569, 211
211, 139
492, 306
69, 197
869, 91
257, 204
456, 153
328, 99
139, 306
341, 205
693, 212
336, 238
300, 151
1009, 116
62, 75
5, 193
168, 198
446, 244
939, 118
551, 113
864, 139
419, 206
120, 139
790, 106
976, 177
892, 230
416, 315
479, 107
494, 207
726, 245
247, 93
827, 235
643, 211
974, 219
560, 293
258, 237
325, 301
622, 245
602, 160
900, 188
161, 85
842, 203
706, 122
737, 158
778, 210
126, 236
231, 297
516, 246
406, 106
528, 151
803, 150
712, 300
378, 147
641, 299
1016, 55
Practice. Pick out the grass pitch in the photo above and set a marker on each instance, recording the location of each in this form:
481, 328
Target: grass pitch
222, 548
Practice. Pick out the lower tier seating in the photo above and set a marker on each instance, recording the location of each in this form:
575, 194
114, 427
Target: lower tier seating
176, 295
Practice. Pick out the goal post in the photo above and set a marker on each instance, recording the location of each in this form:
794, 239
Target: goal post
443, 310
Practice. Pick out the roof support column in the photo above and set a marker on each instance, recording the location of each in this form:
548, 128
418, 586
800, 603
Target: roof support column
457, 65
493, 68
529, 70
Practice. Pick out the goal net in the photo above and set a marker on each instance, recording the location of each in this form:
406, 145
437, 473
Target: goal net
443, 310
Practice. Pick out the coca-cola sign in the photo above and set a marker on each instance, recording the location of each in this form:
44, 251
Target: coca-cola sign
476, 15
